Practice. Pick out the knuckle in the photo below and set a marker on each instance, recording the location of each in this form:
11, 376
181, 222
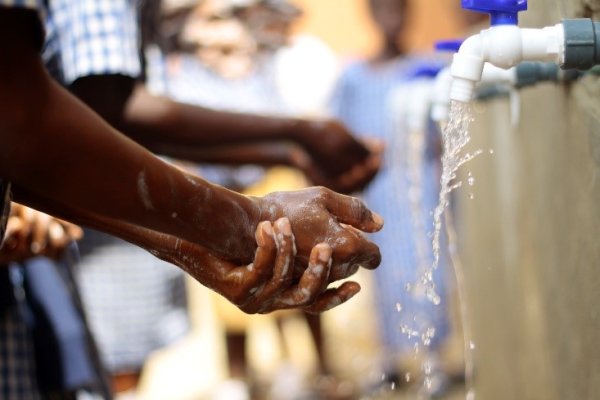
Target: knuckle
248, 309
240, 297
360, 210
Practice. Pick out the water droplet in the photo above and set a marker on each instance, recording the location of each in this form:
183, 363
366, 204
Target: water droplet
470, 395
398, 307
407, 377
427, 382
393, 386
427, 367
472, 345
491, 151
408, 287
433, 296
471, 196
471, 181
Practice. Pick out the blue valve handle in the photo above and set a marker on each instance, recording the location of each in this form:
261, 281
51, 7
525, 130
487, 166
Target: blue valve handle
502, 12
450, 45
425, 71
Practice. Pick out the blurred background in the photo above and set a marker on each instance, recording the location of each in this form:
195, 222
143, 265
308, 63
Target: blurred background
520, 322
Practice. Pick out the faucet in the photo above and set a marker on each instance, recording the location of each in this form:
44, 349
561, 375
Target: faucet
571, 44
496, 81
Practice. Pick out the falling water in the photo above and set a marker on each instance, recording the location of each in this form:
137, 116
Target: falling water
456, 137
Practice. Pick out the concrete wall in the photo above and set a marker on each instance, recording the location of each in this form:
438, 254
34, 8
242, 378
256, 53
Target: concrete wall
530, 237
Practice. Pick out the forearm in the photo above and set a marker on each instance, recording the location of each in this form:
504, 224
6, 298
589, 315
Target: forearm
265, 154
152, 120
151, 240
55, 147
85, 162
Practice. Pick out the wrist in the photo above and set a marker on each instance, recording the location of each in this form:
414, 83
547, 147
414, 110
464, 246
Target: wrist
300, 132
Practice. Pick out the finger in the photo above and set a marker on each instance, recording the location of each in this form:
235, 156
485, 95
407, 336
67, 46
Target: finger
313, 282
57, 240
358, 177
283, 269
15, 245
16, 209
15, 226
333, 298
352, 211
254, 275
360, 253
18, 230
40, 224
376, 146
73, 231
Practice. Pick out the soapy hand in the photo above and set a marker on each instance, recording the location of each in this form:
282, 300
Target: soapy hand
319, 215
268, 283
31, 233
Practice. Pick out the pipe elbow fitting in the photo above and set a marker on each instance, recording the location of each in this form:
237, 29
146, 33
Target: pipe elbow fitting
466, 69
441, 95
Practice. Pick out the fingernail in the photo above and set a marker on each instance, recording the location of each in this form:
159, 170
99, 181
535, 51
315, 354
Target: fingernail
324, 252
263, 233
266, 227
283, 224
378, 219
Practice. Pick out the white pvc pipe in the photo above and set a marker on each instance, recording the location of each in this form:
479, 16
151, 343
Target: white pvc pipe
502, 46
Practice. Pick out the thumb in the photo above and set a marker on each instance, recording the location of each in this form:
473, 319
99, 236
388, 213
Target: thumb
352, 211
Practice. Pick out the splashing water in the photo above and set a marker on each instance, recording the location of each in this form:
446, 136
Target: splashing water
455, 136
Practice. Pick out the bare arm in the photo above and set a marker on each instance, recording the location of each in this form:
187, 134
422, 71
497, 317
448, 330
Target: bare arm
172, 128
63, 158
54, 145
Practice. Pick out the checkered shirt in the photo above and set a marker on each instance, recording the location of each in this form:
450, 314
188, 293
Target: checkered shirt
37, 5
83, 37
92, 37
135, 303
17, 360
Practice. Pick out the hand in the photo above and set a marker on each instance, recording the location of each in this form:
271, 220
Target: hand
31, 233
265, 281
319, 215
267, 284
332, 146
347, 182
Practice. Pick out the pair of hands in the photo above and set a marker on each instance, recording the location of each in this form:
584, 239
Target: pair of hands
331, 156
310, 238
31, 233
305, 240
270, 282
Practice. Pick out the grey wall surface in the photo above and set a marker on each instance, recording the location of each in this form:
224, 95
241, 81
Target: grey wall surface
530, 237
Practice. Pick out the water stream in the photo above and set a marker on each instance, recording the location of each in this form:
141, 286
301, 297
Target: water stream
455, 136
428, 242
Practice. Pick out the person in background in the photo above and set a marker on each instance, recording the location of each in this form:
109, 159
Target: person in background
361, 101
53, 146
227, 58
53, 354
